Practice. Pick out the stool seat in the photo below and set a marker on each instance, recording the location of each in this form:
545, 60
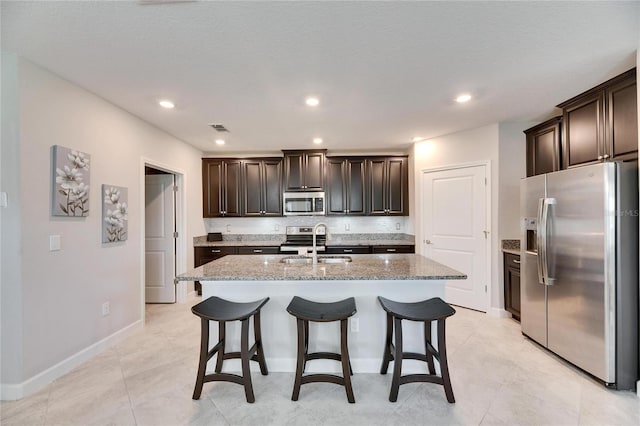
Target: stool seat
426, 310
306, 310
217, 309
223, 311
321, 312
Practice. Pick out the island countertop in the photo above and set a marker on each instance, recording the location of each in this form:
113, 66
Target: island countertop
364, 267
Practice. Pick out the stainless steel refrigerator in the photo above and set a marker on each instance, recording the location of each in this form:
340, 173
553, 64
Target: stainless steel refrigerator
579, 261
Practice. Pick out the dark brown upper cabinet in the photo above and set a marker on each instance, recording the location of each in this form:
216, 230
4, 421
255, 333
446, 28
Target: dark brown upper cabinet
221, 187
345, 187
601, 124
388, 186
304, 170
543, 147
262, 189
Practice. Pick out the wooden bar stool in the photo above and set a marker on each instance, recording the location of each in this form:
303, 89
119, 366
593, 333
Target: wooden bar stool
222, 311
305, 311
425, 311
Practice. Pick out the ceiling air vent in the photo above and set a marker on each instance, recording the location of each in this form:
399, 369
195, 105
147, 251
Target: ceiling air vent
219, 127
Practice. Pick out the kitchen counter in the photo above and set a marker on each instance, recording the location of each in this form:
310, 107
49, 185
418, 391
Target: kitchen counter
401, 277
274, 240
363, 267
511, 247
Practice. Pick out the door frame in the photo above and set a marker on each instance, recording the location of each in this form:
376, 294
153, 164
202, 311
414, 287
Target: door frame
181, 227
488, 209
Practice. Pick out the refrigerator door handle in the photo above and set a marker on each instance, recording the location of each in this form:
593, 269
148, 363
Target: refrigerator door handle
548, 202
540, 241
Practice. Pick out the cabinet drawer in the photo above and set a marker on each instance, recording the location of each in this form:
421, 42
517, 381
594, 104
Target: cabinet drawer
394, 249
259, 250
207, 254
348, 250
512, 260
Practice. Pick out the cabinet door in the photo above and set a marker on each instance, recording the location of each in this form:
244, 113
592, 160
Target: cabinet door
512, 285
336, 197
233, 188
583, 131
397, 187
212, 183
314, 171
272, 187
543, 147
622, 123
355, 187
293, 170
253, 185
377, 189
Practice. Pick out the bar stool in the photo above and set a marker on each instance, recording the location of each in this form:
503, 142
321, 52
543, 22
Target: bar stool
425, 311
222, 311
305, 311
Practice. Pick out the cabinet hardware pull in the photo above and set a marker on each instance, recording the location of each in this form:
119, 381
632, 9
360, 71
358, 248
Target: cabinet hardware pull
347, 251
516, 261
391, 249
257, 251
215, 251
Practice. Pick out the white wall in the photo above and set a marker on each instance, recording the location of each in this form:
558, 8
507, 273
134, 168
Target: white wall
503, 145
10, 246
62, 291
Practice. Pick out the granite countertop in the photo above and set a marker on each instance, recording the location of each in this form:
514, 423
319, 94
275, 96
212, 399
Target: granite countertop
275, 240
363, 267
511, 246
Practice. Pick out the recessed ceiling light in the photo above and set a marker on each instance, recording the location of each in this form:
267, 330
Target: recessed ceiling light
417, 139
166, 104
465, 97
317, 140
220, 141
312, 101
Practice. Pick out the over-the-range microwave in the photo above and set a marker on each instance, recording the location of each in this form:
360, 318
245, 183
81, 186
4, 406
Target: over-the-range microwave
303, 204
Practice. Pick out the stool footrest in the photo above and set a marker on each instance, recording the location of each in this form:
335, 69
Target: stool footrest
412, 378
323, 355
324, 378
223, 377
414, 355
237, 355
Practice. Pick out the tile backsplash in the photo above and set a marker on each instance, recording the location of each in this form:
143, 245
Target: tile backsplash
336, 224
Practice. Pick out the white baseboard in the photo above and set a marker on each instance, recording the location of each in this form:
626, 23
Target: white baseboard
11, 392
499, 313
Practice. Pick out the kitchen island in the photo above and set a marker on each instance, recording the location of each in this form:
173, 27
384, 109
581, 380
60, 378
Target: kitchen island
402, 277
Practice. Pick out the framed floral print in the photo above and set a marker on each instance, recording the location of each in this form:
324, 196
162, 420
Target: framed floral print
70, 183
114, 213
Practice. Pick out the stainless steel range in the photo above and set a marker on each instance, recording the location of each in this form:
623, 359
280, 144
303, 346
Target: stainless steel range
301, 237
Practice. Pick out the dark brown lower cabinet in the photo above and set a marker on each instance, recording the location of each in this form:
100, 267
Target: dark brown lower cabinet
348, 250
258, 250
203, 255
512, 284
394, 249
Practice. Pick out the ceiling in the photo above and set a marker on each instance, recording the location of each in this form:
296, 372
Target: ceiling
384, 71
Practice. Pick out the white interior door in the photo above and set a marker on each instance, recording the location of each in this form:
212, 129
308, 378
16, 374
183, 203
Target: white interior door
160, 246
454, 225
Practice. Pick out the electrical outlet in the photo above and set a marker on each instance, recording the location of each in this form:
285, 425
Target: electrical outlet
106, 309
276, 228
347, 227
398, 226
355, 325
228, 228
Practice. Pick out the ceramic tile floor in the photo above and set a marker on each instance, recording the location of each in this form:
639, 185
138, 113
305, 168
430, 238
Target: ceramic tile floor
499, 378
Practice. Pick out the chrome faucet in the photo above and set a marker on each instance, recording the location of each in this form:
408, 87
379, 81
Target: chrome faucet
314, 253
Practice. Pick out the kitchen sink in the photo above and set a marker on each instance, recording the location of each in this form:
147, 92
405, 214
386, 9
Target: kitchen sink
307, 260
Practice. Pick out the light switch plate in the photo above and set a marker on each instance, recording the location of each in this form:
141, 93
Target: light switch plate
4, 199
54, 242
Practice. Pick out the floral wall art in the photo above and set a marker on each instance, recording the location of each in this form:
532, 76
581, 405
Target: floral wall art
71, 182
114, 213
